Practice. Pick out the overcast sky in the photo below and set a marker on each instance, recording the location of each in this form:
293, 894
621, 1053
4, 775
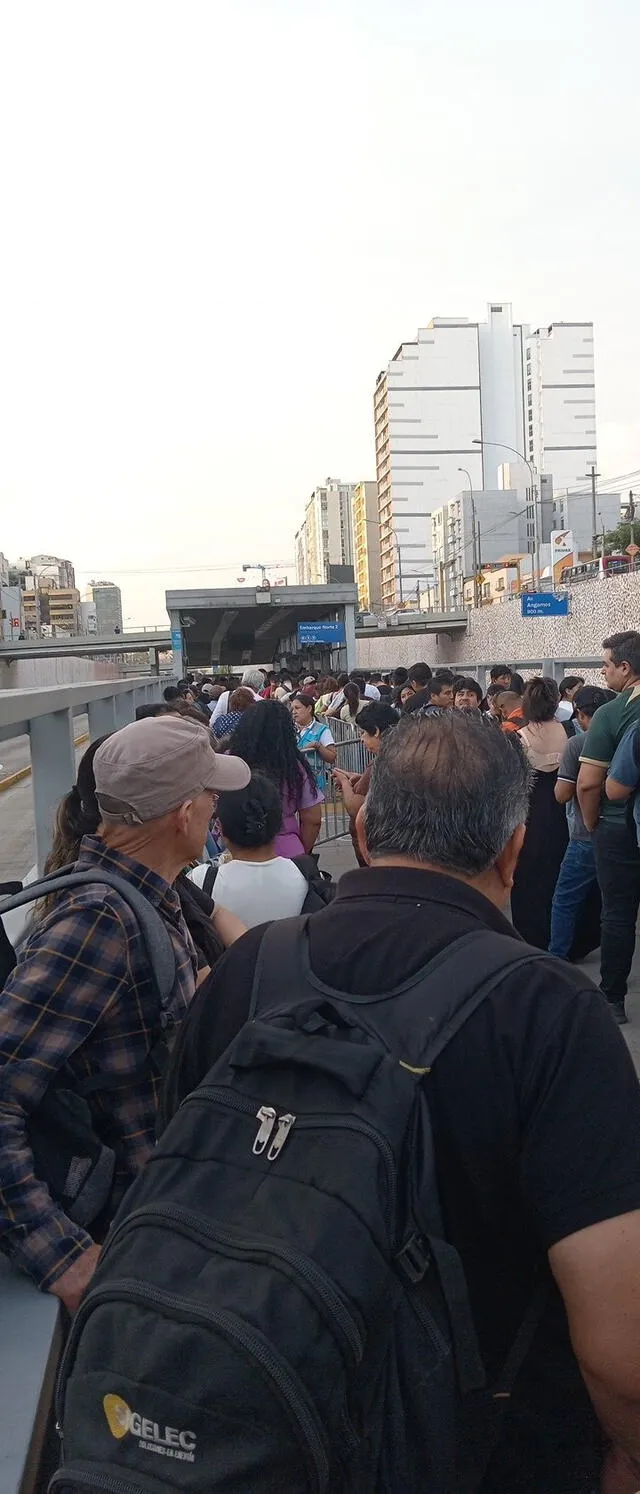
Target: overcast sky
219, 220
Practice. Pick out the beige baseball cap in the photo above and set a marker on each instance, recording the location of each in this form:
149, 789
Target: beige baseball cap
147, 769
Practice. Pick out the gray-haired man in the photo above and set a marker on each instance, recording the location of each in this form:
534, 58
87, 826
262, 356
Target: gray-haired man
535, 1104
253, 678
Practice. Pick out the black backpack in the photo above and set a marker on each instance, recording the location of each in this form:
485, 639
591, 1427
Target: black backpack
277, 1310
321, 889
68, 1154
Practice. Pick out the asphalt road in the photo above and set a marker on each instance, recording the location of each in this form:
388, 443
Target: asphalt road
17, 837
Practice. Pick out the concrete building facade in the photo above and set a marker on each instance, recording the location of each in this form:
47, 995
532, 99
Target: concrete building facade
560, 400
459, 382
325, 537
51, 611
501, 519
366, 546
107, 599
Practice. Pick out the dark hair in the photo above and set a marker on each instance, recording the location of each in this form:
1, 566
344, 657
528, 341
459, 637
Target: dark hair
375, 716
465, 682
421, 673
540, 700
499, 669
305, 700
343, 679
385, 691
266, 739
495, 690
446, 676
353, 696
435, 685
624, 649
251, 816
171, 692
329, 685
590, 698
155, 708
356, 678
400, 676
517, 685
569, 683
446, 791
397, 694
190, 712
78, 814
420, 699
241, 698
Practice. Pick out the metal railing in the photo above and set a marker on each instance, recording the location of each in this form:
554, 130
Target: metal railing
353, 757
46, 715
553, 668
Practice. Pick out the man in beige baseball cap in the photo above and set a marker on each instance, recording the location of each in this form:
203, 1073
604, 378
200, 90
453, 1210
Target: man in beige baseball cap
156, 784
148, 770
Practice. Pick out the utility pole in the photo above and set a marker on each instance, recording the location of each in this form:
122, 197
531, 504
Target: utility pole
591, 477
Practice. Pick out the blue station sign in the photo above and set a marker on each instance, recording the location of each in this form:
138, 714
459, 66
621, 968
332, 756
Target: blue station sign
544, 604
320, 632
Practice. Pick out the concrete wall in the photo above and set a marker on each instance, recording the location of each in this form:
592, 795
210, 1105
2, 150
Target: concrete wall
25, 674
498, 633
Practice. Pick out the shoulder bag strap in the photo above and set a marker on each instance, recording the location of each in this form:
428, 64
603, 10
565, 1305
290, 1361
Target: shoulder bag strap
155, 935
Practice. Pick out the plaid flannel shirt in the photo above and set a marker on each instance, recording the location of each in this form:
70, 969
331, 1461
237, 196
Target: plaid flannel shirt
81, 998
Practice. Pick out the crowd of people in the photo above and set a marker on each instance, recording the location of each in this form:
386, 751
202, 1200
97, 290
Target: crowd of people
496, 839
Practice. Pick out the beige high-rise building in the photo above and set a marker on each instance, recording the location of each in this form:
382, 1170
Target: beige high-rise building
325, 537
52, 610
366, 546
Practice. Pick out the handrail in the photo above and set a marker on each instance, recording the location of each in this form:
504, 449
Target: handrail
29, 1352
45, 714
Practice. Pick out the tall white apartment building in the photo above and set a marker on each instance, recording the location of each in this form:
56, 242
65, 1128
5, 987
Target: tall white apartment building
326, 535
560, 402
459, 381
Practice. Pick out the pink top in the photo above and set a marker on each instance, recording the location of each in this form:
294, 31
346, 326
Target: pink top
288, 842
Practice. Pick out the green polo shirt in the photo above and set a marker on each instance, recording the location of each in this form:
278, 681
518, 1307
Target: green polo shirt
605, 732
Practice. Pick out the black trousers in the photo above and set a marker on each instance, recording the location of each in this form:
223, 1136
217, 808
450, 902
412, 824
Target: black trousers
618, 868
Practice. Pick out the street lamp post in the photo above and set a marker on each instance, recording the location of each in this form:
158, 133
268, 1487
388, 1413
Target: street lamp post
473, 537
502, 445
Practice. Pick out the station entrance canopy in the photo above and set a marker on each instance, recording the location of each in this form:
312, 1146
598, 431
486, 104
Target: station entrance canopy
235, 626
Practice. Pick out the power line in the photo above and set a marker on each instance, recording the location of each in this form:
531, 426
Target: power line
174, 570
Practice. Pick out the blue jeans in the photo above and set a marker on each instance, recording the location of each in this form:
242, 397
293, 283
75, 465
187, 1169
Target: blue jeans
577, 875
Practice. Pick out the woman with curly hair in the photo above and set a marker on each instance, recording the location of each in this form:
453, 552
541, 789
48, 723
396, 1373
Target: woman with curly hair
266, 739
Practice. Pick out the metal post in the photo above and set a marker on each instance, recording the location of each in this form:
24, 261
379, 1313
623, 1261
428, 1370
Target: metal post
350, 635
124, 708
101, 717
474, 552
53, 772
594, 522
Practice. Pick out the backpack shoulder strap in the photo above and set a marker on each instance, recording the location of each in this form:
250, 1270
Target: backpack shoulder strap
282, 964
209, 879
473, 966
155, 935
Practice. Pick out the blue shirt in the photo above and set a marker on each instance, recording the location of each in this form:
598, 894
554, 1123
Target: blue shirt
625, 768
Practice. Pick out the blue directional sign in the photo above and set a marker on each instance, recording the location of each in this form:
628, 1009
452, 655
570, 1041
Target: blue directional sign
320, 632
176, 639
544, 604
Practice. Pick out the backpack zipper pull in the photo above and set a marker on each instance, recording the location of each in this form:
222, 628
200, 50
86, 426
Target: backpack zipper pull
267, 1117
285, 1122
